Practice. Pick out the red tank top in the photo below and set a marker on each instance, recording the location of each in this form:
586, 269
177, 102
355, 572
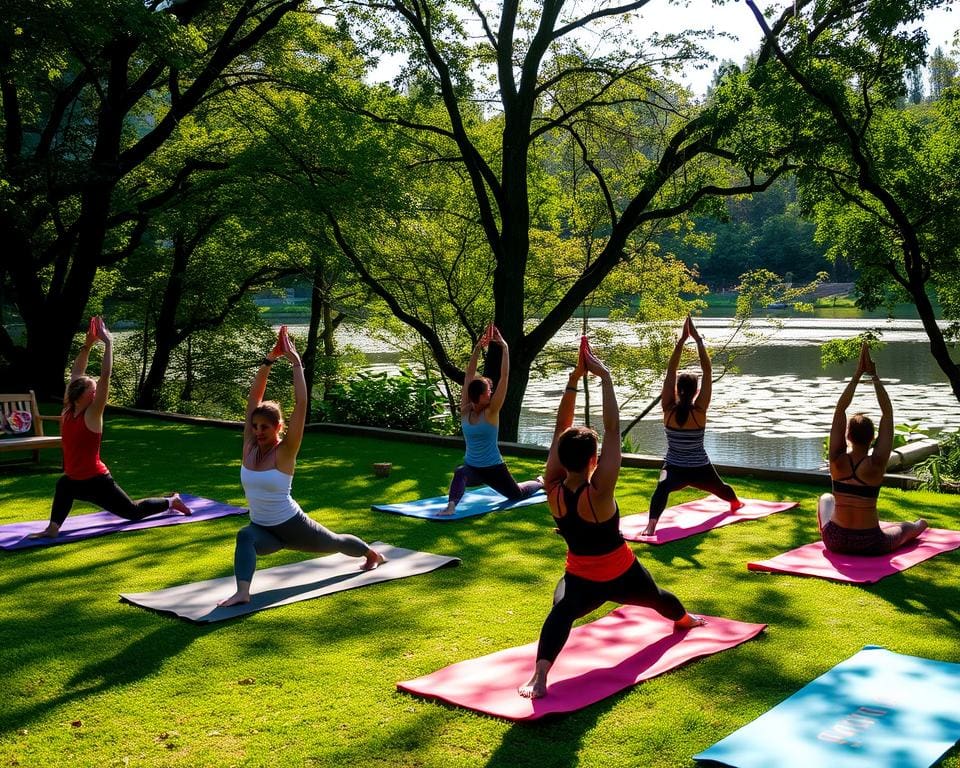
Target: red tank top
81, 448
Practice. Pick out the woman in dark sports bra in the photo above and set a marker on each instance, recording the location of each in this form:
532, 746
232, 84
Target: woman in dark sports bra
684, 421
580, 490
848, 518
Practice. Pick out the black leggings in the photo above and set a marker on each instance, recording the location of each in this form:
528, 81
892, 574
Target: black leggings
673, 478
103, 491
575, 597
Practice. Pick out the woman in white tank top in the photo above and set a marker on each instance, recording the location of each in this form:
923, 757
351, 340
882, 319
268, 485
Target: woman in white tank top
276, 520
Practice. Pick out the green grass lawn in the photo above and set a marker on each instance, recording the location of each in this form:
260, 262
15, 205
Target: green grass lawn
88, 681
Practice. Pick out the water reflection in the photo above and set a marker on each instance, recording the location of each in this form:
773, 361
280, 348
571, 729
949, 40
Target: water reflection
776, 410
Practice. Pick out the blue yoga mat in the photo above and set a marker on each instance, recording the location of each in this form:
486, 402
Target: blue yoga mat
877, 708
477, 502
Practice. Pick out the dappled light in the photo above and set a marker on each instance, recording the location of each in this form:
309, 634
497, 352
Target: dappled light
75, 653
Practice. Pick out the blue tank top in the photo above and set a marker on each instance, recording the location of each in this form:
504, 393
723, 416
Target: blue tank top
481, 440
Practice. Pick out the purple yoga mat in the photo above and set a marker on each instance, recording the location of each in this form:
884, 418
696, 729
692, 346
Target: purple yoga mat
78, 527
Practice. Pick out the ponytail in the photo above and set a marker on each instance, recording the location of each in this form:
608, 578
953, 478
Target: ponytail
686, 390
75, 390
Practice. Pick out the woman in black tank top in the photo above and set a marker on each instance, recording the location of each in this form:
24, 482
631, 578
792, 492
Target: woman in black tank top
580, 490
848, 518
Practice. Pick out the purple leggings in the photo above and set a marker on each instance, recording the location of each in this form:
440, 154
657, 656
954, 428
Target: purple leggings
497, 477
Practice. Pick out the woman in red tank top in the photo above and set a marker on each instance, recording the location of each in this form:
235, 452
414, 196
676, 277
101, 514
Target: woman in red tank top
85, 476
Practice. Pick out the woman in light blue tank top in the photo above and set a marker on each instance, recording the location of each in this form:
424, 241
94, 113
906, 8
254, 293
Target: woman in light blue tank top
276, 520
480, 406
684, 420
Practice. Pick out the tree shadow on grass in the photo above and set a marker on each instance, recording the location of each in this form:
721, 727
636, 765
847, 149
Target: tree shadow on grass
551, 742
927, 588
120, 666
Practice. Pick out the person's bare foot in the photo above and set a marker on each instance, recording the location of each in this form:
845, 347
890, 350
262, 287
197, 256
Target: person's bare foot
372, 560
176, 503
50, 532
536, 686
736, 504
689, 621
533, 690
650, 530
913, 531
450, 509
237, 598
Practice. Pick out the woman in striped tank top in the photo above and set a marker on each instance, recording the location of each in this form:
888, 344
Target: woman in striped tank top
684, 420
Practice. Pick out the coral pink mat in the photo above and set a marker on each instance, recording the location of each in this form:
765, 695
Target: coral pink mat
815, 560
601, 658
696, 517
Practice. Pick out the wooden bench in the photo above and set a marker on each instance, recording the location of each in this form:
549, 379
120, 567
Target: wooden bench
34, 440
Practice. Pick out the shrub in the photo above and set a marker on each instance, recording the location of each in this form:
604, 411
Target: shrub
941, 471
403, 401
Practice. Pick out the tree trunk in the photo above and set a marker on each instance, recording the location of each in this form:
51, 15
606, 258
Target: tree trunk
317, 310
187, 393
510, 413
165, 336
938, 346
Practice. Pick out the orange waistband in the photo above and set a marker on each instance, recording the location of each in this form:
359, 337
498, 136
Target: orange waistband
601, 567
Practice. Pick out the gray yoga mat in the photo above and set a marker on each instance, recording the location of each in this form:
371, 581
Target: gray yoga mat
285, 584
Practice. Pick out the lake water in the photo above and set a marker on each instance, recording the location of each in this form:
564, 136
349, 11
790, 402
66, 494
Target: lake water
776, 411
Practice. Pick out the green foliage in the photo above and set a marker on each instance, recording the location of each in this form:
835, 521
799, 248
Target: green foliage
760, 231
209, 374
405, 401
839, 351
941, 471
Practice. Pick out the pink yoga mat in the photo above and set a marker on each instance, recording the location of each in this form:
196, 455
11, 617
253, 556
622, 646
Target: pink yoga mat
696, 517
601, 658
815, 560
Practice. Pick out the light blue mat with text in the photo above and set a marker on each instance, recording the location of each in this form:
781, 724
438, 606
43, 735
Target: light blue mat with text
876, 709
475, 502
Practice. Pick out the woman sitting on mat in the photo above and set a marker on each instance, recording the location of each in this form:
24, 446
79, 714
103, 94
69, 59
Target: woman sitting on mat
684, 420
848, 517
85, 476
580, 490
480, 406
276, 520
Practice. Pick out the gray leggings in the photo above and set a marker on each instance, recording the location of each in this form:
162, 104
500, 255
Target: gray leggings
299, 532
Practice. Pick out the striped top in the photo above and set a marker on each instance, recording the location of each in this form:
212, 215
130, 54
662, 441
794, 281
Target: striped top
685, 447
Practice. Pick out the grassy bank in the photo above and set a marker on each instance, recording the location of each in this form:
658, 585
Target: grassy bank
91, 682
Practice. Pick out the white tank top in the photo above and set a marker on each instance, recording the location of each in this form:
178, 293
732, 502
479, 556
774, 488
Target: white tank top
268, 495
